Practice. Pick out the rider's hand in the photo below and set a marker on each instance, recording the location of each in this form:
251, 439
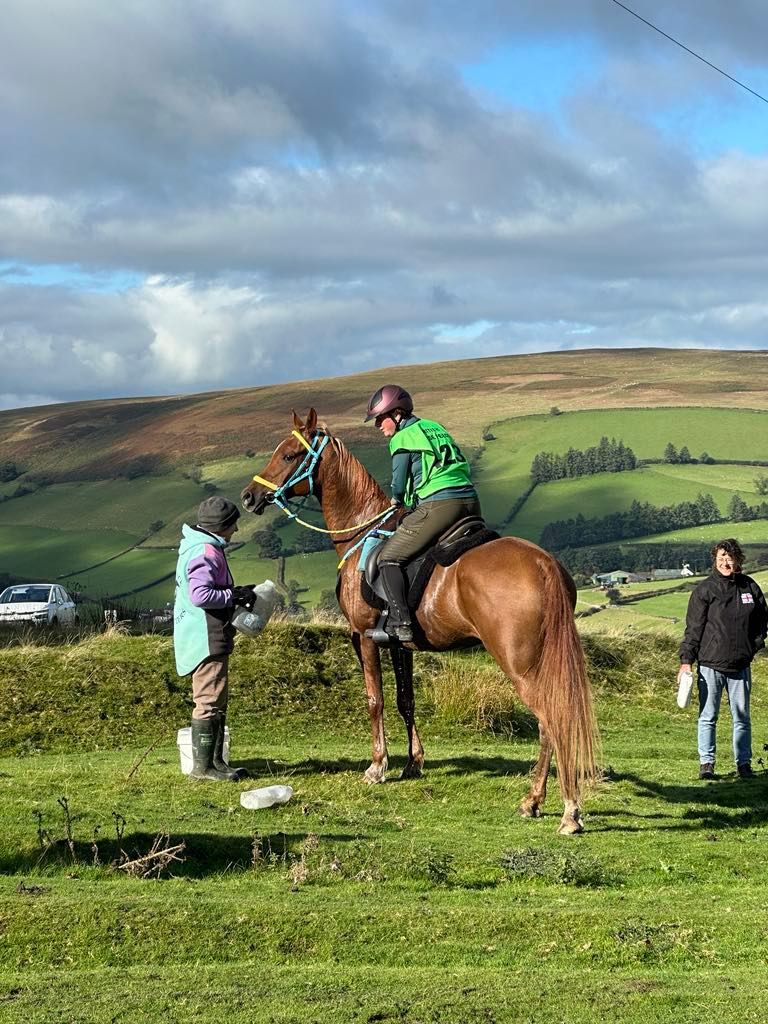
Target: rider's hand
683, 668
396, 503
244, 596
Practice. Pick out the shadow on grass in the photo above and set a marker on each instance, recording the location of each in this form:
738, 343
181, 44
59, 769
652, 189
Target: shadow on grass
724, 803
204, 853
495, 765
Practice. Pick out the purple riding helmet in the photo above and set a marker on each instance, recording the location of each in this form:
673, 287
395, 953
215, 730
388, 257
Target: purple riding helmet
387, 399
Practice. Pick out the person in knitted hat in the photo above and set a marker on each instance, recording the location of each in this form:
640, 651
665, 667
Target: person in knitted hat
203, 635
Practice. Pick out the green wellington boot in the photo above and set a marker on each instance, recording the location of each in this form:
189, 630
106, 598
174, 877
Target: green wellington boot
203, 746
218, 752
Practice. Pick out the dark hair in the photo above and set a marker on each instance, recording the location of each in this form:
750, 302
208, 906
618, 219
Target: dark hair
731, 547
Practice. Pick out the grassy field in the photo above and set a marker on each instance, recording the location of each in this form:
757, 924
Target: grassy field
662, 613
753, 532
127, 505
596, 496
725, 434
44, 554
417, 902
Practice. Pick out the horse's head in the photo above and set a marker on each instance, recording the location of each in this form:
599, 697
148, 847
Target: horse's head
291, 470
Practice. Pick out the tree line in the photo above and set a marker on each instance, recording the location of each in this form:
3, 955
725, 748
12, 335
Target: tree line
583, 562
609, 456
641, 519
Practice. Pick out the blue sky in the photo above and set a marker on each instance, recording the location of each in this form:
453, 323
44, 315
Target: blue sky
370, 184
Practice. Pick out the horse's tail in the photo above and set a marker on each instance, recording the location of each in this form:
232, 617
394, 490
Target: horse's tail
562, 685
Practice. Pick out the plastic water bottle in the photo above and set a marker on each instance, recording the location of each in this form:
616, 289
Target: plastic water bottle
684, 689
267, 796
251, 623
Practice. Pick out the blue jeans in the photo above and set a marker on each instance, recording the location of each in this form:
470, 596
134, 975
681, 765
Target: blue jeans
738, 686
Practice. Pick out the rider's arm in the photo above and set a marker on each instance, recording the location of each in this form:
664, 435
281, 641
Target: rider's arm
401, 465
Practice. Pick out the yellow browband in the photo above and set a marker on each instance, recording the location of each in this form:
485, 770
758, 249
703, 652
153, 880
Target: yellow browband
268, 483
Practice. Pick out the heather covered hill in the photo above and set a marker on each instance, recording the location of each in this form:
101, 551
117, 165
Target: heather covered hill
93, 440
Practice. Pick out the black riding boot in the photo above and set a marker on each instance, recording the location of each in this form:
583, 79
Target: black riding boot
399, 616
218, 752
204, 734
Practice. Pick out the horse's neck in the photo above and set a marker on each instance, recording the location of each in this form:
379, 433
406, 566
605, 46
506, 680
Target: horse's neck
350, 495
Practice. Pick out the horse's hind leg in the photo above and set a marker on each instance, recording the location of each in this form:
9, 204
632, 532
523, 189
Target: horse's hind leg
370, 662
537, 794
402, 663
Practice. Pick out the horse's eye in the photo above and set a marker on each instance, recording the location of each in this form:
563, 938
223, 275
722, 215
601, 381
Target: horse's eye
289, 458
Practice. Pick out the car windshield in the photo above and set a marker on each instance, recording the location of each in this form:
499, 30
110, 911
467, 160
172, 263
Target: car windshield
23, 595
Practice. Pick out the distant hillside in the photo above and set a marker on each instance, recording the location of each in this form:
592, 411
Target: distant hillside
100, 489
94, 440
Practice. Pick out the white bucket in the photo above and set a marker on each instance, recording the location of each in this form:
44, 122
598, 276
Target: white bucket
184, 743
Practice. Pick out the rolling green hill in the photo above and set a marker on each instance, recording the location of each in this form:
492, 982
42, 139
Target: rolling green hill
116, 479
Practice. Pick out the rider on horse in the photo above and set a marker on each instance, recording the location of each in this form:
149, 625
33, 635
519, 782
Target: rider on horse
431, 478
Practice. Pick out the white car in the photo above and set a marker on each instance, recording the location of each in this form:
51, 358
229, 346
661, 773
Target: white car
41, 603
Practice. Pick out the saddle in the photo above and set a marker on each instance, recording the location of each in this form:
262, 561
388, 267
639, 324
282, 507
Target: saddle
459, 538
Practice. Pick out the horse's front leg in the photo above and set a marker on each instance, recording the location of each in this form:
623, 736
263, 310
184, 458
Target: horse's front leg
370, 662
537, 794
402, 663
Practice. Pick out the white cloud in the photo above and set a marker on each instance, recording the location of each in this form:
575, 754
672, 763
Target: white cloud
300, 190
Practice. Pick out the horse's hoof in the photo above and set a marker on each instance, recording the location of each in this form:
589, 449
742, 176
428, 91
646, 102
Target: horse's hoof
529, 810
411, 771
570, 827
375, 774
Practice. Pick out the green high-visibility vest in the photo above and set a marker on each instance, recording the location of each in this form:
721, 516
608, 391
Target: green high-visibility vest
442, 464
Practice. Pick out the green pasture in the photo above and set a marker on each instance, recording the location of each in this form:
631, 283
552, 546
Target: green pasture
598, 495
503, 472
419, 901
753, 532
39, 553
315, 572
128, 572
629, 589
119, 504
666, 606
631, 620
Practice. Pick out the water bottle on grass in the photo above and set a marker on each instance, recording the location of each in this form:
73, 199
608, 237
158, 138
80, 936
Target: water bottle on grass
267, 796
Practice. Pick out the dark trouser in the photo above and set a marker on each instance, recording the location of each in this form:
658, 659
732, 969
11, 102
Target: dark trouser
417, 531
423, 525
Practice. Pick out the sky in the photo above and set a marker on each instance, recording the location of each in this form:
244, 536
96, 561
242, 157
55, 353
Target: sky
197, 196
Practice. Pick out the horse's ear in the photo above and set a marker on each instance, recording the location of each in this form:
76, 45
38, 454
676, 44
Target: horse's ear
297, 424
311, 421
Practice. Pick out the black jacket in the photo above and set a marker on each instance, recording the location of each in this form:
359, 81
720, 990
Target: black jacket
726, 623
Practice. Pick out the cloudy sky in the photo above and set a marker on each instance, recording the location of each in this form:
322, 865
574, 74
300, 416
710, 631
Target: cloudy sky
197, 195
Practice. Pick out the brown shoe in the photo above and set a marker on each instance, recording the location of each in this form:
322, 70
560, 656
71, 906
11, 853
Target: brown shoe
744, 771
706, 770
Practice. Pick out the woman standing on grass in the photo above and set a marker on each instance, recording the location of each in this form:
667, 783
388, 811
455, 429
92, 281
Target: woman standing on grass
725, 627
203, 634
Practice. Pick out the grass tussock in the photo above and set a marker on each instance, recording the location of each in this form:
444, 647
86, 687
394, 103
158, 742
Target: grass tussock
472, 690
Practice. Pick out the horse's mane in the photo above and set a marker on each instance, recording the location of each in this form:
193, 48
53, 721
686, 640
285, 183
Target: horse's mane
363, 490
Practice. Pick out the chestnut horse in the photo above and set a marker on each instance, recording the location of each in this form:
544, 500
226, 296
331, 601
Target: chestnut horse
508, 594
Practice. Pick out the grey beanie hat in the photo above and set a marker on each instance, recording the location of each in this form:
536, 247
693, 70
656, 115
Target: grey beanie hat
216, 514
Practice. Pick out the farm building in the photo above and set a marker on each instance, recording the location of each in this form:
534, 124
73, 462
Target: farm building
616, 578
